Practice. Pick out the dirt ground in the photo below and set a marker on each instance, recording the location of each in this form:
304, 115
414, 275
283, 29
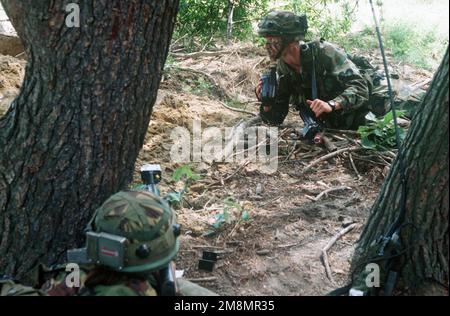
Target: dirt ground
276, 250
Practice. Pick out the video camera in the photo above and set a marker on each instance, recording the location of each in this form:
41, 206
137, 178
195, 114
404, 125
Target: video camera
269, 87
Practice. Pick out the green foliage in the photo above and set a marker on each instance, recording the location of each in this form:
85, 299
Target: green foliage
137, 187
198, 86
416, 46
188, 176
204, 19
365, 40
185, 172
230, 204
174, 198
329, 19
379, 134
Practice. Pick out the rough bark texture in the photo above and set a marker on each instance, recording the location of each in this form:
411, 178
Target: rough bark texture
72, 136
427, 170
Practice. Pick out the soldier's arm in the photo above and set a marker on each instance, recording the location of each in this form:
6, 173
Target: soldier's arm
356, 90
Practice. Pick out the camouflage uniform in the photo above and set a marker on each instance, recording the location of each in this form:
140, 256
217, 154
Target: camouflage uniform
349, 80
56, 286
10, 288
338, 79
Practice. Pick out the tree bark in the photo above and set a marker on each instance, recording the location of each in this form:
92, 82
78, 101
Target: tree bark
231, 6
72, 136
425, 235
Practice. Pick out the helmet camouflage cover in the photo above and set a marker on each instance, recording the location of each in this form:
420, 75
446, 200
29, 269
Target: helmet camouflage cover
147, 222
283, 23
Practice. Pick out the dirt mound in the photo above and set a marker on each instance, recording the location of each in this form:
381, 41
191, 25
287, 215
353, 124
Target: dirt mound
177, 109
10, 45
11, 76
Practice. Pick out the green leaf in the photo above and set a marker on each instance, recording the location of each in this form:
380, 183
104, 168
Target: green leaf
184, 171
173, 197
378, 133
245, 216
366, 143
139, 187
388, 117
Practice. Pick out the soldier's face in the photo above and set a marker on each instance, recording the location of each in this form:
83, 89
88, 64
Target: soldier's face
273, 46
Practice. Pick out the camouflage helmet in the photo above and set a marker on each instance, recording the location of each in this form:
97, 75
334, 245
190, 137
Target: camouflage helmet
147, 222
283, 23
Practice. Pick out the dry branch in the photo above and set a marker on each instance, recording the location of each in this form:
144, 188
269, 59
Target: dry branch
208, 279
328, 144
326, 157
338, 131
235, 109
354, 166
201, 53
317, 198
324, 255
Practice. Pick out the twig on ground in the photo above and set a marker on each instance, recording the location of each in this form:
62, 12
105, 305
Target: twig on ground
370, 161
324, 255
207, 247
391, 154
357, 143
208, 279
202, 53
246, 162
317, 198
294, 149
258, 63
337, 137
326, 157
338, 131
234, 228
235, 109
178, 40
421, 84
354, 166
328, 144
19, 55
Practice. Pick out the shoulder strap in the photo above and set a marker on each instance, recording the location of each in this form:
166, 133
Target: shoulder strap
313, 75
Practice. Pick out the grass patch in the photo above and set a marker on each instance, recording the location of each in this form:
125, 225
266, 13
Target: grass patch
235, 104
419, 47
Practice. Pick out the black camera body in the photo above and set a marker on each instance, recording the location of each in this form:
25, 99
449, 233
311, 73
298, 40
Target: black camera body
269, 87
151, 175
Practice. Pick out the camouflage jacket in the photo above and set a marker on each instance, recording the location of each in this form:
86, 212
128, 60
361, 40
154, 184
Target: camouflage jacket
338, 79
57, 286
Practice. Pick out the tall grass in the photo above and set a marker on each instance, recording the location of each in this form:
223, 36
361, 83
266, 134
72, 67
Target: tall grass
417, 46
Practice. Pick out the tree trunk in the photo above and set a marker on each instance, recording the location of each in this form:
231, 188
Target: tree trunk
425, 235
72, 136
231, 6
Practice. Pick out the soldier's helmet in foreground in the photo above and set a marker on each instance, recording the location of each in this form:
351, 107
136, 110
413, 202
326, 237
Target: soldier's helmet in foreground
283, 23
147, 222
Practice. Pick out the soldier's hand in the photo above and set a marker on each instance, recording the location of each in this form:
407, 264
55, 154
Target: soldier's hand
319, 107
258, 90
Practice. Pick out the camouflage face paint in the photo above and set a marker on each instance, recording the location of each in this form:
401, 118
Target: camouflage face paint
273, 46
